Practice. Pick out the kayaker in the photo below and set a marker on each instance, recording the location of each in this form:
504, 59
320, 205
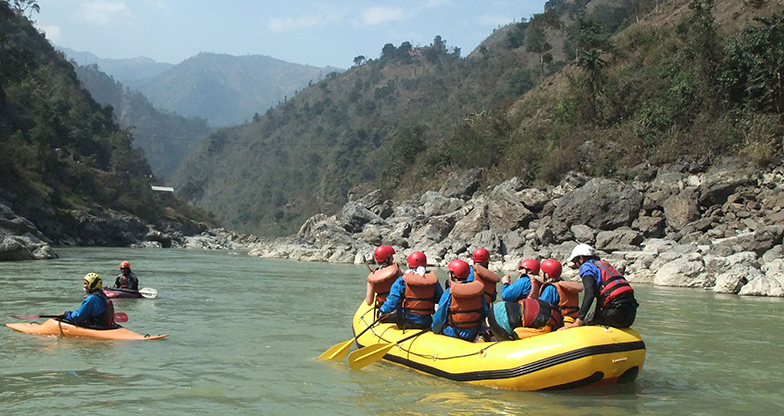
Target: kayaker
523, 319
615, 302
413, 296
127, 279
381, 279
557, 292
96, 310
481, 262
522, 287
462, 308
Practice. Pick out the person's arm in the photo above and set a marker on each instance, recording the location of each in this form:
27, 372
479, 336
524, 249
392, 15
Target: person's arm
517, 290
439, 292
439, 318
91, 306
396, 293
117, 281
370, 294
589, 283
134, 282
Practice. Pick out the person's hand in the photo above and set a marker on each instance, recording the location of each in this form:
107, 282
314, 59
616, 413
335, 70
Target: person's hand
506, 280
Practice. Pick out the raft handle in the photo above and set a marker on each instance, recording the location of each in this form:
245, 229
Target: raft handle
619, 360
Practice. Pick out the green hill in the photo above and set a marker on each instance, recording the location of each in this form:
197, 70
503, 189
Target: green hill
62, 155
598, 86
227, 90
165, 138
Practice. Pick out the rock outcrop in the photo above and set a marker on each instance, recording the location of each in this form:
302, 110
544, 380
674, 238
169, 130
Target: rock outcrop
683, 224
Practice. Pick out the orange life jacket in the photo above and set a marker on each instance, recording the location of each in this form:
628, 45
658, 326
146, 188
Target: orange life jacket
382, 279
613, 284
489, 281
568, 296
420, 293
465, 309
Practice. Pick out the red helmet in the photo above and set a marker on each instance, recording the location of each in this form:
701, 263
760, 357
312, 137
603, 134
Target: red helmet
531, 265
383, 252
481, 255
459, 268
125, 265
552, 268
417, 259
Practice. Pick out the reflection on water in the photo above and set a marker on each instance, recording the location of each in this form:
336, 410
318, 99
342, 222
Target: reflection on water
244, 333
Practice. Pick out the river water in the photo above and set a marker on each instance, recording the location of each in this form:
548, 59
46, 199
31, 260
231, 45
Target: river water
244, 332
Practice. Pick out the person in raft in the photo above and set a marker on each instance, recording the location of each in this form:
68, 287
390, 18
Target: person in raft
380, 279
557, 292
413, 296
96, 310
523, 319
481, 260
615, 302
462, 308
522, 287
127, 279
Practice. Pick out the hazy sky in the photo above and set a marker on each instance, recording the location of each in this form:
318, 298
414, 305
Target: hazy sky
318, 32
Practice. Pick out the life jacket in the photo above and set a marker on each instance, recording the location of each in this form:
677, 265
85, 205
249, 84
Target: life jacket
613, 283
568, 297
536, 288
420, 293
536, 313
382, 279
465, 310
489, 281
106, 318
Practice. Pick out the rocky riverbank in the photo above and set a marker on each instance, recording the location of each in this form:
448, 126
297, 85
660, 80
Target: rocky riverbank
717, 227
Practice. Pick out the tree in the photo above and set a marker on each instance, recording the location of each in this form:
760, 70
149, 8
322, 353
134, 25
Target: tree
388, 52
539, 30
359, 60
591, 45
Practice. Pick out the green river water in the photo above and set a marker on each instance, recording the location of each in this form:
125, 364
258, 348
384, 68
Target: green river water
244, 332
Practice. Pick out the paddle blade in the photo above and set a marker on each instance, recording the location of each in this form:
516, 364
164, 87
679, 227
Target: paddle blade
368, 355
337, 352
148, 292
120, 317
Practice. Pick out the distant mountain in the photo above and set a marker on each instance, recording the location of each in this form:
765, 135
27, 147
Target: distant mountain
127, 71
165, 138
228, 90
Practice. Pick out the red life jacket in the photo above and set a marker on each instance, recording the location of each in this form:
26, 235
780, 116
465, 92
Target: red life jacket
568, 297
536, 288
382, 279
106, 318
489, 281
465, 309
613, 283
420, 293
538, 313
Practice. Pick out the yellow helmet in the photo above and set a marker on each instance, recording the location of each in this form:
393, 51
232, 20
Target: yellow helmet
93, 281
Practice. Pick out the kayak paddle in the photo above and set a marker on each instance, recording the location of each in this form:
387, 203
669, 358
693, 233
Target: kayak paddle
372, 353
338, 351
148, 292
118, 316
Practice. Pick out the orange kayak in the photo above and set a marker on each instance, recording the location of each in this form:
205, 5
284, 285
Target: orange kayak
53, 327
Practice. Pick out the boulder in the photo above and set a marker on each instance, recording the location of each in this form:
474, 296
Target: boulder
583, 233
602, 204
681, 208
723, 178
354, 216
687, 271
434, 204
462, 185
505, 212
735, 278
625, 240
533, 199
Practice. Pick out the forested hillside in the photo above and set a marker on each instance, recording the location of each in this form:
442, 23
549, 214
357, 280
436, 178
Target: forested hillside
227, 90
688, 78
164, 138
125, 71
62, 155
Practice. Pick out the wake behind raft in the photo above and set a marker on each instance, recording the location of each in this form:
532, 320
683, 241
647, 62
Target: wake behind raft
586, 356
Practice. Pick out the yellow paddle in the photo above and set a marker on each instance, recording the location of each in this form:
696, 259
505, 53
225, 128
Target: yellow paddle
339, 351
372, 353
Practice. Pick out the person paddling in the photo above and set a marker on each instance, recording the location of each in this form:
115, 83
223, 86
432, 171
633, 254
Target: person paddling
381, 279
462, 308
127, 279
414, 295
522, 287
96, 310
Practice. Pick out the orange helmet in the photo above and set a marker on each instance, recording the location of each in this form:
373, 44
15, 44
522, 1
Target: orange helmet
552, 268
481, 255
125, 265
460, 268
530, 264
417, 259
383, 252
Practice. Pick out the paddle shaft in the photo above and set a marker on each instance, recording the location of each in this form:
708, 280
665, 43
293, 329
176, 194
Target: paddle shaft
118, 316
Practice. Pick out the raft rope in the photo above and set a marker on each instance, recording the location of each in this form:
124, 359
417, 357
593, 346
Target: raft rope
433, 357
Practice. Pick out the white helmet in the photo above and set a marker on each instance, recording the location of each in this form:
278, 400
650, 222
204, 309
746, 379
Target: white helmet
581, 250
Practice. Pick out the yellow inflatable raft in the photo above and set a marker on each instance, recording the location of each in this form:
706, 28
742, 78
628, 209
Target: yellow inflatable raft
573, 358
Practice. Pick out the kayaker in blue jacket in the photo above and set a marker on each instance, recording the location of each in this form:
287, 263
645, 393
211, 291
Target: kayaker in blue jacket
414, 294
462, 308
127, 279
96, 310
522, 287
